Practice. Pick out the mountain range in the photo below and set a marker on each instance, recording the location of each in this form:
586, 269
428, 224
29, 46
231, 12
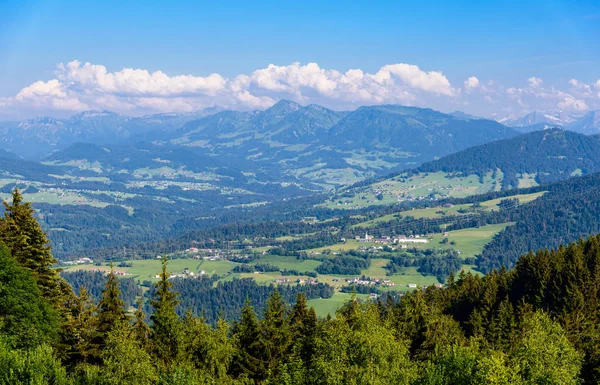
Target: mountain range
34, 138
135, 178
588, 123
306, 143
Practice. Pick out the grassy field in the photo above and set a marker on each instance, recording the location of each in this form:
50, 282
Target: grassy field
469, 241
401, 188
146, 269
289, 263
410, 275
439, 184
330, 305
437, 212
376, 269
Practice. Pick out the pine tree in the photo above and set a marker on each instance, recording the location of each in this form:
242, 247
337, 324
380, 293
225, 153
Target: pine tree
247, 361
26, 319
166, 329
298, 315
140, 329
29, 245
275, 337
82, 329
111, 310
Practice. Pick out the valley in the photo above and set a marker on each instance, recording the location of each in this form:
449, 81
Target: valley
323, 174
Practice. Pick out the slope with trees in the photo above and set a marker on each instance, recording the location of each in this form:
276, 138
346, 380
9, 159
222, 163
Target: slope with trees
534, 324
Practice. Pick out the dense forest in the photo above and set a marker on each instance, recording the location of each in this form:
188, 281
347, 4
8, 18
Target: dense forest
535, 324
551, 154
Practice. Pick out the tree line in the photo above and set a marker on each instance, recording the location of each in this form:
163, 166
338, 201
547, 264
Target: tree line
534, 324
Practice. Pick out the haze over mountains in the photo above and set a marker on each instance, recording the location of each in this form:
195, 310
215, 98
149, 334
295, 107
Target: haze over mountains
588, 123
309, 143
131, 171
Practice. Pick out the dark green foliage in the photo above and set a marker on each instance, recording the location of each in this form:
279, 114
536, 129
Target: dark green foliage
28, 244
166, 334
343, 266
95, 282
569, 211
26, 318
551, 154
111, 309
226, 299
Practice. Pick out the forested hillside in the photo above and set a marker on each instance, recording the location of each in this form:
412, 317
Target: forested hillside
104, 179
551, 155
569, 211
534, 324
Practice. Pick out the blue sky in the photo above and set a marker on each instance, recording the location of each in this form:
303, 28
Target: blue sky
502, 44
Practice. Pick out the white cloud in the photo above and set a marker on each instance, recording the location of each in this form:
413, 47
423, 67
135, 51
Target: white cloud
572, 104
471, 83
535, 82
80, 86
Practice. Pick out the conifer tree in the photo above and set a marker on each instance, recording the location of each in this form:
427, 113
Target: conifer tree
82, 328
245, 333
140, 329
166, 328
303, 323
275, 338
299, 314
111, 310
26, 318
29, 245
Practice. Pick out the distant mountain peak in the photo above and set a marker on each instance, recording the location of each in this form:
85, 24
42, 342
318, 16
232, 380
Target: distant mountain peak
285, 106
464, 115
95, 114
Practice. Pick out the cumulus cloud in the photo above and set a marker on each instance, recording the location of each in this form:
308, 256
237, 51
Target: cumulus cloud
572, 104
80, 86
471, 83
535, 82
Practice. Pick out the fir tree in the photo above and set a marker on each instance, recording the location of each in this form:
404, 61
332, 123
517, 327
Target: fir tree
275, 338
111, 310
247, 361
140, 329
29, 245
82, 328
166, 328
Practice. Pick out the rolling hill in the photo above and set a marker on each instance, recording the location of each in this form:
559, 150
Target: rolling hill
550, 155
136, 178
527, 160
334, 148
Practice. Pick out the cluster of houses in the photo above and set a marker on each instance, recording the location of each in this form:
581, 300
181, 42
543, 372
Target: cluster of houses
213, 254
80, 261
370, 281
386, 240
414, 286
185, 274
116, 272
301, 281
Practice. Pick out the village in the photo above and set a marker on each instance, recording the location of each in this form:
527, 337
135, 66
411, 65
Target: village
399, 239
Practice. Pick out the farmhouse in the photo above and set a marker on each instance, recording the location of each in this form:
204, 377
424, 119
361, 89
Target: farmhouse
411, 240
